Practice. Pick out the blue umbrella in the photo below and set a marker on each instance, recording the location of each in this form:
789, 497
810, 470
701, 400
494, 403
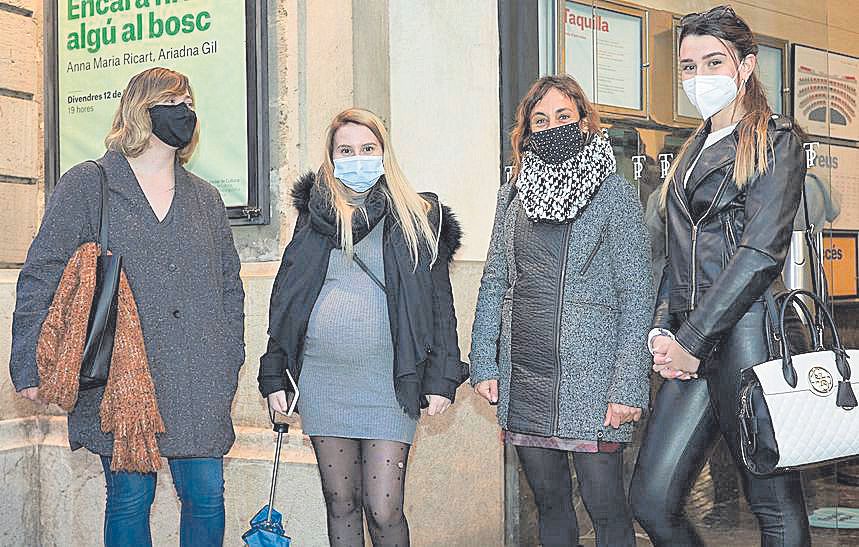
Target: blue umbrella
267, 525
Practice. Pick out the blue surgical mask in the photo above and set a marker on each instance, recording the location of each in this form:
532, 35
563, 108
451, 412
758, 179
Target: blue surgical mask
360, 173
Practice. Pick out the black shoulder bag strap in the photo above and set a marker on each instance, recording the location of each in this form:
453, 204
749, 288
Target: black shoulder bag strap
811, 244
104, 223
368, 271
818, 274
818, 283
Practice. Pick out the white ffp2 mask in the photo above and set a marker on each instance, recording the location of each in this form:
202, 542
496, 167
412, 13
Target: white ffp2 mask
710, 94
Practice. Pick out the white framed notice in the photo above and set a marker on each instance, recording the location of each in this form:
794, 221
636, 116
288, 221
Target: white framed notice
602, 46
771, 73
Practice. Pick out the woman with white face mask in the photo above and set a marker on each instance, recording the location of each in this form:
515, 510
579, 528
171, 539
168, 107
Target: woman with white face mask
730, 200
362, 317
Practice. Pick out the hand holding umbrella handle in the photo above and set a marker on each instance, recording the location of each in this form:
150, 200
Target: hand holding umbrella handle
291, 404
280, 428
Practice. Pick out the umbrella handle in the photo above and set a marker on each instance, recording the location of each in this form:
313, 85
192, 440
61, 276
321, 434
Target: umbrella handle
274, 473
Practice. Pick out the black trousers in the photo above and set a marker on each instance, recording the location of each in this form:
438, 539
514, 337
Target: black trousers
600, 478
687, 419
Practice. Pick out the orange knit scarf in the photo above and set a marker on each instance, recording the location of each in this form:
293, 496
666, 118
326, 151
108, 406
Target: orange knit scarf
129, 409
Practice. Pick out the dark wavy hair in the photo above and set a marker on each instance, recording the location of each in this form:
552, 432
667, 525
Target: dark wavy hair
522, 130
726, 26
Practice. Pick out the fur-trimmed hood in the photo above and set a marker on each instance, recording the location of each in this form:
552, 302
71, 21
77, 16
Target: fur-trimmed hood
451, 230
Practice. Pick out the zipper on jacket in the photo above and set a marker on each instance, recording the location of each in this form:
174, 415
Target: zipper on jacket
728, 233
731, 234
694, 288
562, 281
744, 414
694, 265
593, 252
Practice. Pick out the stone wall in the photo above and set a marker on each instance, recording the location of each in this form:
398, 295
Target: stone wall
21, 118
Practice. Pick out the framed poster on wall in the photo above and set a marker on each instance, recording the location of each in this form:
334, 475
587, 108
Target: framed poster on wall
94, 48
837, 169
826, 93
602, 45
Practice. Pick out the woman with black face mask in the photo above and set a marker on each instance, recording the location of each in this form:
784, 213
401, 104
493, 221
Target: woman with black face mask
172, 232
558, 341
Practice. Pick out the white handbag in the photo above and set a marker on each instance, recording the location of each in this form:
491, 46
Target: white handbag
799, 410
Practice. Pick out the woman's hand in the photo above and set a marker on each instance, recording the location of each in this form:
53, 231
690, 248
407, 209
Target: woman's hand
671, 374
488, 389
31, 393
667, 351
277, 401
437, 404
660, 348
618, 414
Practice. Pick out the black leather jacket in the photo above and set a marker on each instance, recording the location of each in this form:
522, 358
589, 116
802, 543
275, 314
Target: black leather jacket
724, 245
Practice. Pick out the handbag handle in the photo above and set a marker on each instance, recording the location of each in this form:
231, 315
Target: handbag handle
773, 323
845, 398
817, 334
104, 223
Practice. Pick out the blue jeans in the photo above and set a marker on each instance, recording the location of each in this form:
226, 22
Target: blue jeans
199, 483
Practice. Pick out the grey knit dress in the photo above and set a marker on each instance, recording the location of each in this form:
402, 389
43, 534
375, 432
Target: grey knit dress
347, 378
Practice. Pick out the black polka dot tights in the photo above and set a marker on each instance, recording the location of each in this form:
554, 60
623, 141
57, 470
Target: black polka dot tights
363, 477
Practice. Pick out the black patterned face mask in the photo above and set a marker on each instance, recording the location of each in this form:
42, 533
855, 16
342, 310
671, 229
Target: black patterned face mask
558, 144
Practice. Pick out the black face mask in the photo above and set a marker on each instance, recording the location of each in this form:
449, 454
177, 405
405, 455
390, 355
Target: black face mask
173, 123
558, 144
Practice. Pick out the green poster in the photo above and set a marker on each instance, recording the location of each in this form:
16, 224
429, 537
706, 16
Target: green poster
103, 43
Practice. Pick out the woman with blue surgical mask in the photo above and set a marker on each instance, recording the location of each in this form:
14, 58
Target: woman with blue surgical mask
729, 201
362, 317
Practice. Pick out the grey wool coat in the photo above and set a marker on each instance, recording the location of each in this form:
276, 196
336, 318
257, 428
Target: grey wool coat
184, 273
604, 313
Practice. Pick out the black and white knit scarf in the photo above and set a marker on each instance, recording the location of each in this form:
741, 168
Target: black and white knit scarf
560, 192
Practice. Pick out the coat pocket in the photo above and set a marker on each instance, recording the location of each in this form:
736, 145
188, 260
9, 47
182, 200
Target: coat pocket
728, 235
590, 258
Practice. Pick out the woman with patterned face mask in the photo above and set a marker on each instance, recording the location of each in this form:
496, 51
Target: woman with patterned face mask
564, 304
730, 200
362, 317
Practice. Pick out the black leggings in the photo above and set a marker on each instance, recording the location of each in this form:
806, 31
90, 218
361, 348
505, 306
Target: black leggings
688, 417
363, 476
600, 478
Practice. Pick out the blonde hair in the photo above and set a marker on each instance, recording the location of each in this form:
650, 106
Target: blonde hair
408, 207
522, 130
132, 125
753, 147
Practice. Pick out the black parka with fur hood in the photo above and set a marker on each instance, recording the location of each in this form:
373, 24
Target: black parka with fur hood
420, 300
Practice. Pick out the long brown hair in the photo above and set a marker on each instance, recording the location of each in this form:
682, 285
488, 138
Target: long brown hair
753, 148
522, 130
408, 206
132, 125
